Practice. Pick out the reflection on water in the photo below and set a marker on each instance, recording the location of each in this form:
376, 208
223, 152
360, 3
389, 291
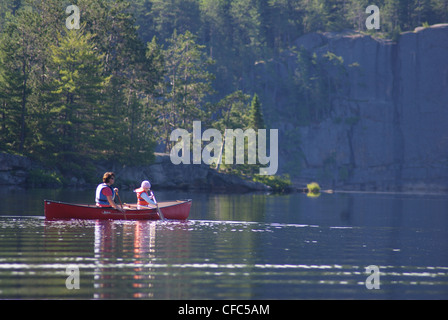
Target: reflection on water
138, 243
233, 247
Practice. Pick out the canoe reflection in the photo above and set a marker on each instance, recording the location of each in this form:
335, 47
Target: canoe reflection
125, 261
125, 255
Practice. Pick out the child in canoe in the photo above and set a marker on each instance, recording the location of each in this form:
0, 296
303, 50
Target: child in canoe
144, 196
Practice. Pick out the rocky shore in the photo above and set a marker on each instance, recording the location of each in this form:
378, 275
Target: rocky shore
19, 171
163, 174
14, 170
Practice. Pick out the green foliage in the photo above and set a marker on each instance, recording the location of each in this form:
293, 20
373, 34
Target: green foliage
317, 80
182, 97
256, 120
75, 96
277, 183
40, 178
136, 70
313, 188
18, 55
236, 113
71, 97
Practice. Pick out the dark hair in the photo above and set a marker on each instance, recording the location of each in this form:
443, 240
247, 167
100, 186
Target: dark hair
107, 176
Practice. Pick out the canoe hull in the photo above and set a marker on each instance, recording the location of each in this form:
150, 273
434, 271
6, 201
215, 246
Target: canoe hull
172, 210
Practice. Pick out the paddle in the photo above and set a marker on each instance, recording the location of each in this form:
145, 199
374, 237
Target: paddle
121, 204
157, 205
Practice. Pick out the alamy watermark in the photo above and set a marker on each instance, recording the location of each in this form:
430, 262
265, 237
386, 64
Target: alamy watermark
72, 21
373, 280
212, 152
72, 281
373, 21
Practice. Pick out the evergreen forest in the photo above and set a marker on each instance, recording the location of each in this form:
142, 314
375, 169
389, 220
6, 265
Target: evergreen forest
114, 88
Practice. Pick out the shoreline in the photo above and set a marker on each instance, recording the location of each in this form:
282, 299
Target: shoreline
23, 173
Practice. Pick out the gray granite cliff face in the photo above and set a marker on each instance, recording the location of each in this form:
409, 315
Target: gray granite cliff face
388, 127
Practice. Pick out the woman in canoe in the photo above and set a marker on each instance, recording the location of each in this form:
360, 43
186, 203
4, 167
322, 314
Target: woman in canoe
143, 197
105, 194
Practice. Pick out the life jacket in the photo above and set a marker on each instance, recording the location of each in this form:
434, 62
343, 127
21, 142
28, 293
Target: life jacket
140, 200
100, 198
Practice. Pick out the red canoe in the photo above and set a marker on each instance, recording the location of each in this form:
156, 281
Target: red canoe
173, 210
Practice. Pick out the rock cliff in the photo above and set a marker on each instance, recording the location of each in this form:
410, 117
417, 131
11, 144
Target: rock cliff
388, 126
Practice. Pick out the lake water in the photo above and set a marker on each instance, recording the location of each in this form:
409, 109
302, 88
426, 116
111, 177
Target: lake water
239, 246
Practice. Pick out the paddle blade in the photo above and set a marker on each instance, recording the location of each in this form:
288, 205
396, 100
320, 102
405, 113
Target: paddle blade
158, 209
160, 213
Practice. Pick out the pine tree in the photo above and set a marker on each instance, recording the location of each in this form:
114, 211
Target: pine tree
398, 15
163, 17
217, 34
10, 96
356, 13
256, 120
282, 22
439, 12
323, 15
79, 120
421, 12
133, 73
18, 60
233, 113
188, 85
